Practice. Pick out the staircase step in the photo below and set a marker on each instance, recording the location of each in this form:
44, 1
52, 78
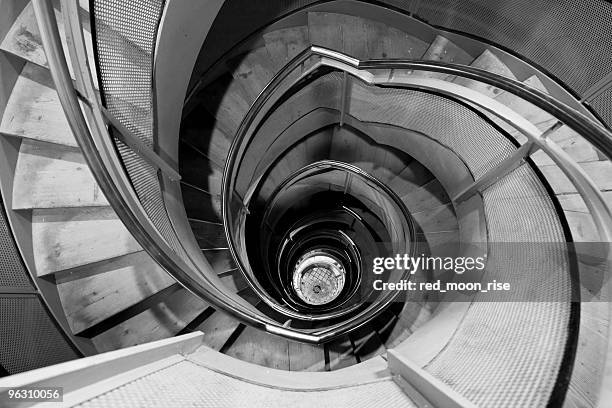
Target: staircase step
429, 196
220, 259
306, 357
34, 111
235, 281
442, 49
599, 171
443, 243
200, 204
197, 170
349, 148
49, 176
574, 202
209, 235
161, 321
24, 40
362, 38
253, 70
259, 347
530, 112
65, 238
410, 179
437, 219
217, 329
572, 143
199, 132
109, 288
491, 63
227, 101
284, 44
340, 354
582, 226
385, 42
338, 32
367, 343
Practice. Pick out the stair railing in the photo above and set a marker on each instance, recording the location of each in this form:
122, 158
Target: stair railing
88, 120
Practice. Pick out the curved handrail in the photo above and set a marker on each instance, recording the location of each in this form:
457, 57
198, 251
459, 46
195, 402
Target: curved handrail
376, 185
95, 142
596, 134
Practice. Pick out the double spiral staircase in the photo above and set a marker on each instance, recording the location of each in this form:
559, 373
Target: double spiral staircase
238, 271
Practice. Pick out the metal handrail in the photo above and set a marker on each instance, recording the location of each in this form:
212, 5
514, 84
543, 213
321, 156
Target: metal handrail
596, 134
101, 157
376, 185
96, 144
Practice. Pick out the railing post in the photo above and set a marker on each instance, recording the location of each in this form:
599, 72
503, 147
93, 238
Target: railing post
492, 176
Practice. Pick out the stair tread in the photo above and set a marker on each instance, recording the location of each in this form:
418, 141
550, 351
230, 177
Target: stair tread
64, 238
201, 205
428, 196
253, 70
160, 321
341, 354
41, 174
437, 219
582, 227
367, 343
220, 259
572, 143
217, 329
286, 43
527, 110
234, 281
261, 348
197, 170
110, 288
200, 132
23, 38
34, 110
599, 171
306, 357
350, 148
442, 49
491, 63
362, 38
227, 101
209, 235
410, 179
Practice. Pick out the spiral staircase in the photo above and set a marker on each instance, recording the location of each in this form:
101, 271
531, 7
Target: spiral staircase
338, 116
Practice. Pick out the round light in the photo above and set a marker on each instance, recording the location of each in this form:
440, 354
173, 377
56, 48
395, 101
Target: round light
318, 278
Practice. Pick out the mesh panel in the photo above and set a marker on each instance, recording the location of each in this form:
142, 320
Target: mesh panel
474, 140
125, 36
603, 106
503, 349
570, 39
29, 340
12, 272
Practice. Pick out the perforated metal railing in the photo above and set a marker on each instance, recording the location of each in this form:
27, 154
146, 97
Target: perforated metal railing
125, 34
